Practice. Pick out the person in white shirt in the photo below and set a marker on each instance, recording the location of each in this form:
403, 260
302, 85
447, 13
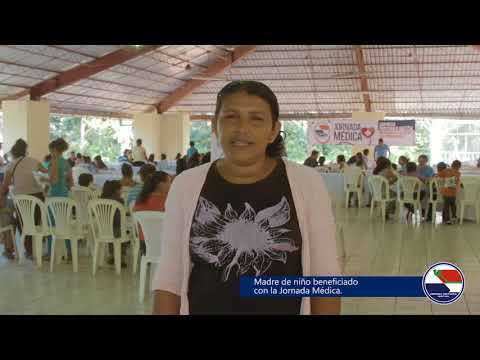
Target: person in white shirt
139, 154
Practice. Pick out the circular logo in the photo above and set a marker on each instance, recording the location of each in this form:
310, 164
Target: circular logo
443, 283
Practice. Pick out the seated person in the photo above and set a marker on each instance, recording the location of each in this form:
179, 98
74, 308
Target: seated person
311, 161
127, 176
321, 161
87, 164
153, 196
181, 165
206, 158
384, 168
112, 190
46, 161
79, 159
86, 180
151, 159
424, 171
146, 171
339, 165
99, 164
125, 157
403, 161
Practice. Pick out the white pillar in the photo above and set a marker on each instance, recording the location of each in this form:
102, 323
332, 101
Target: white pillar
366, 116
30, 121
163, 133
174, 134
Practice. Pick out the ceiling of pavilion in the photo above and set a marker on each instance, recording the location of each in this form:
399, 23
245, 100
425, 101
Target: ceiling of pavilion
308, 79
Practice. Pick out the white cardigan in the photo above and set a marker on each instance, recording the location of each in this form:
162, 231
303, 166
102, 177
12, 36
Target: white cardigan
316, 221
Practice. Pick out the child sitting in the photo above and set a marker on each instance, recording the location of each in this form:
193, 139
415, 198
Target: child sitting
112, 190
451, 186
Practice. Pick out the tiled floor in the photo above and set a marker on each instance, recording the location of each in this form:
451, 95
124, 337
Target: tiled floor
369, 248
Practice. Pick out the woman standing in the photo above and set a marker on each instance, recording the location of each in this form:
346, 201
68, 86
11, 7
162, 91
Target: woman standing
19, 173
61, 179
249, 213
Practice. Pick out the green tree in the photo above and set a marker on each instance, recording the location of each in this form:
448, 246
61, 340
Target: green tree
97, 139
201, 134
298, 147
296, 140
67, 128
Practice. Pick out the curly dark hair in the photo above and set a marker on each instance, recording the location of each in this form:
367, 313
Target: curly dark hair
277, 147
19, 148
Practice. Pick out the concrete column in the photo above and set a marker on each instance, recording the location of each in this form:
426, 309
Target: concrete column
29, 120
366, 116
163, 133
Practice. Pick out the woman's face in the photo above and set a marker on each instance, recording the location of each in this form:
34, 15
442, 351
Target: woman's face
245, 128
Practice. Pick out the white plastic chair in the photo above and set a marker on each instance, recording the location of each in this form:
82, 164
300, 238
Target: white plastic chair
380, 190
101, 214
25, 205
132, 226
151, 223
82, 196
469, 197
65, 227
407, 187
353, 184
434, 196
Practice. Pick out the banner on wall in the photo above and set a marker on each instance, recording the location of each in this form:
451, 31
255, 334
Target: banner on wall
397, 132
351, 132
341, 132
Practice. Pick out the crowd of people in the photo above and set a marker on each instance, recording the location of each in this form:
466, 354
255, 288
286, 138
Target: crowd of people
448, 177
149, 194
192, 159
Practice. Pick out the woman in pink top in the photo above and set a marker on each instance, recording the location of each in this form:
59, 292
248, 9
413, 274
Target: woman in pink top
249, 213
152, 198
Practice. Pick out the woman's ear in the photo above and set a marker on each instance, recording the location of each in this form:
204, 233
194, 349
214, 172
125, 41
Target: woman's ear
277, 126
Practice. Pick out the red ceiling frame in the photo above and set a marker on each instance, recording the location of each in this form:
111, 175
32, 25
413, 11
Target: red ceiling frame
214, 69
86, 70
363, 78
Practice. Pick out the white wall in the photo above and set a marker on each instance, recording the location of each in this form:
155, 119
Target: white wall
166, 133
29, 120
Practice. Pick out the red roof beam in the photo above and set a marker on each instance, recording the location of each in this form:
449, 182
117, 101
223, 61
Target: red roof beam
214, 69
86, 70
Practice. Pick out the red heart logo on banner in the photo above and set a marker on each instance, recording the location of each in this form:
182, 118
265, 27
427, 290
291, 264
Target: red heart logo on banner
368, 132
